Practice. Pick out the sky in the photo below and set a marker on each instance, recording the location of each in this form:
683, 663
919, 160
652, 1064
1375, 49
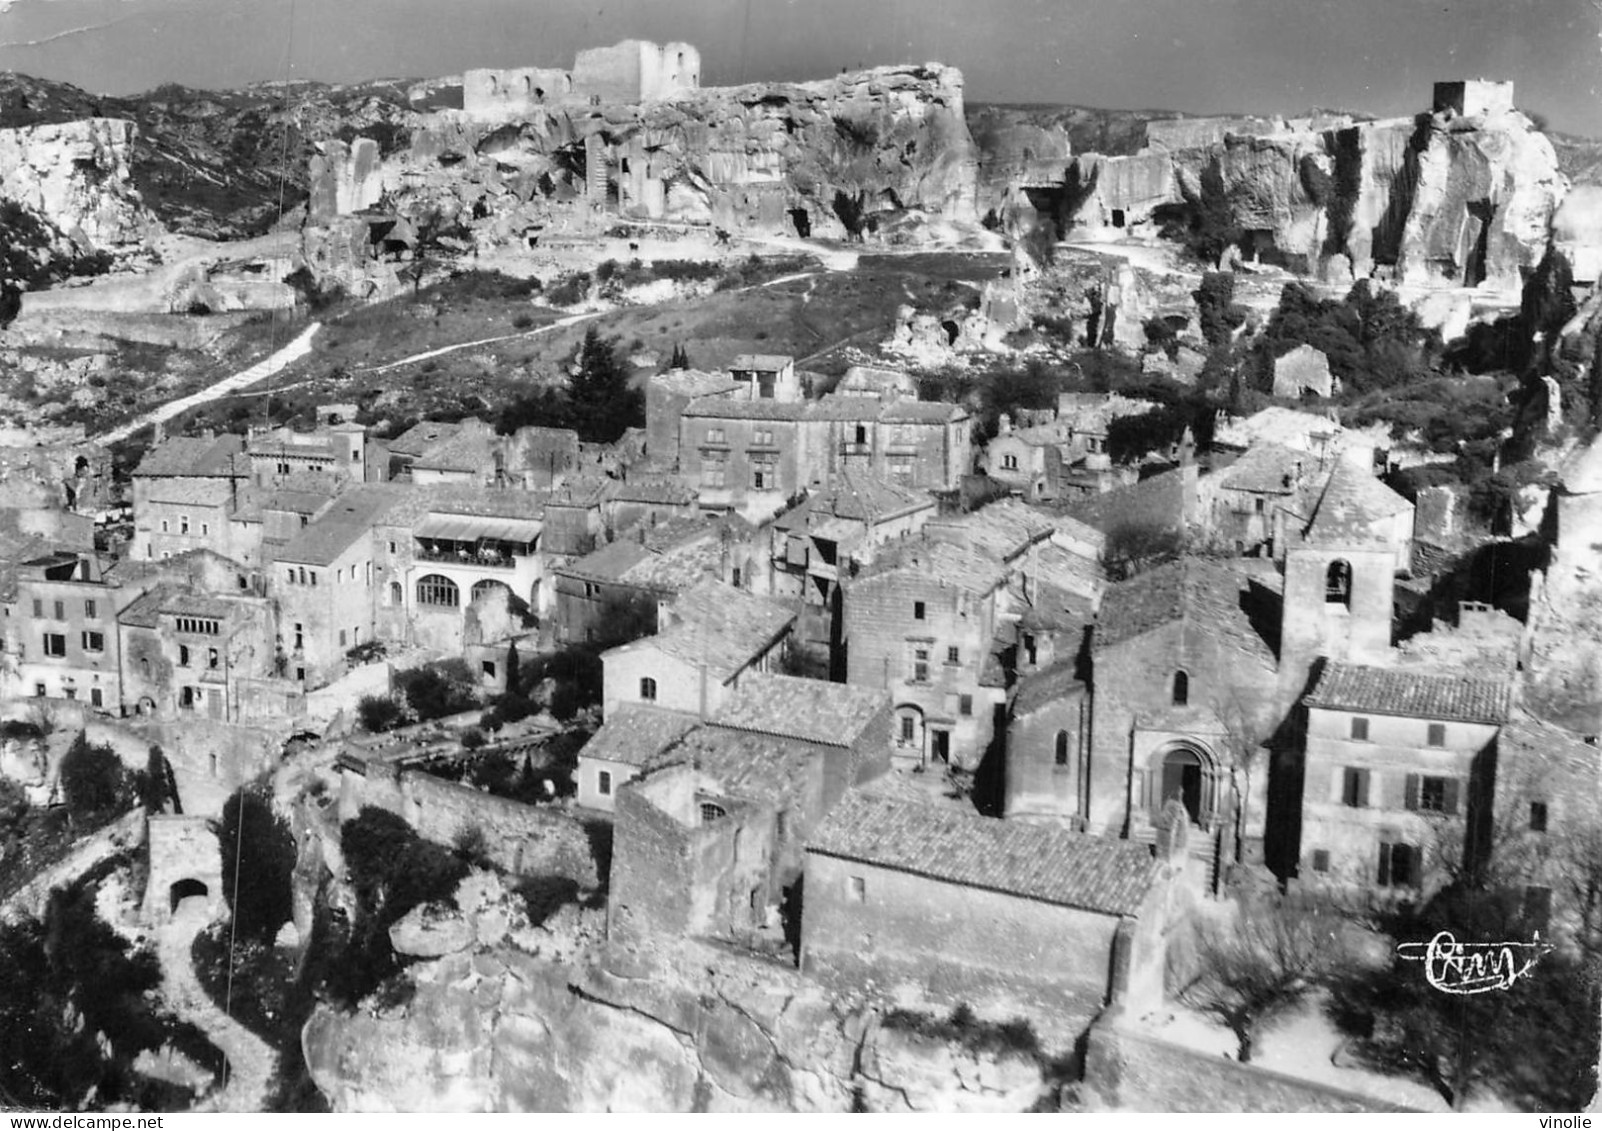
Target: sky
1193, 56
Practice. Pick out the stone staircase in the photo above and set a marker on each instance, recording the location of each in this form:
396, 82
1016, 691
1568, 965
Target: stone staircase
1203, 852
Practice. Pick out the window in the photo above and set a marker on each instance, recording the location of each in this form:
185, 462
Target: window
1354, 788
39, 690
715, 469
603, 783
300, 675
711, 812
918, 610
1430, 794
183, 524
55, 644
648, 689
1538, 816
953, 655
300, 637
764, 472
762, 437
1338, 584
920, 665
396, 595
1437, 734
291, 577
1359, 729
313, 575
1009, 462
38, 608
487, 668
70, 692
164, 527
183, 655
1061, 759
1320, 859
858, 889
97, 698
1398, 865
205, 528
94, 642
61, 610
91, 611
392, 547
861, 434
908, 729
1259, 502
1181, 688
437, 590
715, 436
965, 705
342, 638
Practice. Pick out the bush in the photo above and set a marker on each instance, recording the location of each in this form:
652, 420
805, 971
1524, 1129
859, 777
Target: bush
473, 739
258, 849
522, 321
436, 690
94, 781
379, 713
569, 290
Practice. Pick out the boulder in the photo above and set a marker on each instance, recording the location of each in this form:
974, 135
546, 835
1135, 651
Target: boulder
430, 931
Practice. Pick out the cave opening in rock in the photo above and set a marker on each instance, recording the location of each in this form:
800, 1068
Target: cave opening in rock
1480, 212
952, 331
802, 222
1118, 217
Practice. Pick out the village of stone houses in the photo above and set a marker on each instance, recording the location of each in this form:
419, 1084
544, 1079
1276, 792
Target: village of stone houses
565, 589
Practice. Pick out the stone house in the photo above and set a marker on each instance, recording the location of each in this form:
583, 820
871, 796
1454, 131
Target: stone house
766, 377
1184, 693
966, 905
631, 740
1260, 497
1048, 747
62, 626
871, 381
752, 456
714, 636
1028, 460
182, 484
612, 595
817, 545
645, 500
186, 651
418, 440
1396, 762
667, 394
332, 455
326, 587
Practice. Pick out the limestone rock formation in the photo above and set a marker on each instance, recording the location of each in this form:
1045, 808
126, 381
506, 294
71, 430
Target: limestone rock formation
1436, 201
830, 158
75, 177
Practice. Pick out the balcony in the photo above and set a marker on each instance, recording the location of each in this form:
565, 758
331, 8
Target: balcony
480, 556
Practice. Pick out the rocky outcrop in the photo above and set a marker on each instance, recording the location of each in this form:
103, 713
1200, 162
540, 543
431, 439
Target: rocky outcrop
827, 158
1436, 201
75, 177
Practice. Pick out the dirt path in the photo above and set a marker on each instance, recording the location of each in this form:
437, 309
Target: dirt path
570, 320
262, 370
251, 1062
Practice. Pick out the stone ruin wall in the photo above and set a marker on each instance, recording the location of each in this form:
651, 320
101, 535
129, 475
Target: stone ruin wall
185, 860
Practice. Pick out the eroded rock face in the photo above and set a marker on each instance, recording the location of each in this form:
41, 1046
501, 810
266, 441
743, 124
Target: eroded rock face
1436, 201
692, 1029
75, 176
763, 158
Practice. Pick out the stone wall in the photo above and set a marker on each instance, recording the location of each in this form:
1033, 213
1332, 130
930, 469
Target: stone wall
124, 833
210, 759
1140, 1072
1038, 784
520, 839
185, 861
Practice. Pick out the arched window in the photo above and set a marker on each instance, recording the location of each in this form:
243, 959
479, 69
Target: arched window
395, 595
711, 812
648, 689
1062, 748
1338, 583
437, 590
482, 589
1181, 689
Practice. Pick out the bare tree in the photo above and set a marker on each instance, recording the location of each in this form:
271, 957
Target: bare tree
1250, 970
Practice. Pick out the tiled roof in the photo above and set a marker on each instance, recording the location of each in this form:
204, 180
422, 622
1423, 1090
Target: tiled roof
350, 517
636, 735
422, 436
1194, 590
192, 455
694, 382
831, 407
764, 361
857, 496
1046, 686
183, 491
834, 714
1418, 695
609, 563
726, 409
468, 450
945, 562
718, 627
750, 767
1037, 862
1001, 529
905, 410
1267, 468
1353, 505
659, 490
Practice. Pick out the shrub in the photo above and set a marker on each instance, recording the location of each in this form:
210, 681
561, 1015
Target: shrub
379, 713
258, 849
569, 289
473, 739
522, 321
436, 690
94, 781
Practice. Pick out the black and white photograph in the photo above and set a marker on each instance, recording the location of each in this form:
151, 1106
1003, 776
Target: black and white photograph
800, 556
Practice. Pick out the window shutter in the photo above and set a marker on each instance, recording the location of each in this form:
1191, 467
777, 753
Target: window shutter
1337, 785
1411, 796
1362, 789
1384, 878
1451, 796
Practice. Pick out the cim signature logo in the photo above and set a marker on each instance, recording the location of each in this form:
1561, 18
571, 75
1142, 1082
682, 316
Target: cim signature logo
1473, 968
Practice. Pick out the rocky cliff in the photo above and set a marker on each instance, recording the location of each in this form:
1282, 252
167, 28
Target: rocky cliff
821, 158
75, 176
1433, 201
